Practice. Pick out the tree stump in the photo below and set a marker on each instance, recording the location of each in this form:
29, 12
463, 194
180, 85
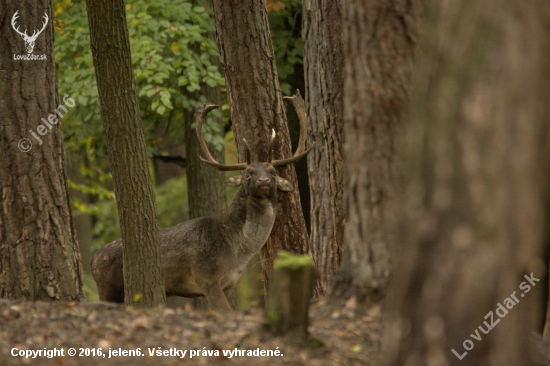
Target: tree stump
287, 309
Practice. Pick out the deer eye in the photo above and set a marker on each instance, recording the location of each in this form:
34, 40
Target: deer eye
247, 176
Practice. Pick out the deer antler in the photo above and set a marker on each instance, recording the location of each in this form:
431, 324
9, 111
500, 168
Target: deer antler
300, 108
200, 112
13, 19
37, 33
24, 34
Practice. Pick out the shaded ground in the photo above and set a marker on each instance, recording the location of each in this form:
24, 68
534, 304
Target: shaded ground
38, 325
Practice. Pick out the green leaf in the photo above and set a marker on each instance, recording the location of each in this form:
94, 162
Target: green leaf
155, 104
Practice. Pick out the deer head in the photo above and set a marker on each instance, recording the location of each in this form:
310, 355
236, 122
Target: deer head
29, 40
260, 179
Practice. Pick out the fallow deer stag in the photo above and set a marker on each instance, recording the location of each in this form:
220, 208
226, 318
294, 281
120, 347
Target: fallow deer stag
208, 255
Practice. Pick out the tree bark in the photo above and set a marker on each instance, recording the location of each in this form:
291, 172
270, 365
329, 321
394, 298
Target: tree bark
475, 190
256, 106
378, 40
324, 77
143, 280
205, 187
39, 256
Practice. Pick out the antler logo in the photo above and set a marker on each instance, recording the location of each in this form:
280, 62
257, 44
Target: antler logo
29, 40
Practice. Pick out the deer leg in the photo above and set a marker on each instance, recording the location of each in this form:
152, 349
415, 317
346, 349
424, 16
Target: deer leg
228, 294
216, 297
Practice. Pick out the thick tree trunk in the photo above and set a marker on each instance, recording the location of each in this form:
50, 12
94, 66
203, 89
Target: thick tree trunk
143, 281
324, 70
39, 256
256, 105
475, 187
378, 41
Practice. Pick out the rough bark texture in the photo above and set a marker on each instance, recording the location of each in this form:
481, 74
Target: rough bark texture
475, 186
143, 281
205, 187
39, 257
324, 76
204, 184
378, 40
256, 105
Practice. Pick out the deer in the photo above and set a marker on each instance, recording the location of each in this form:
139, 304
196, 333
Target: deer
208, 255
29, 40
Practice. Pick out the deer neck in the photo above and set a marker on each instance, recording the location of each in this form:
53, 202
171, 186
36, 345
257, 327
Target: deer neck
260, 217
256, 218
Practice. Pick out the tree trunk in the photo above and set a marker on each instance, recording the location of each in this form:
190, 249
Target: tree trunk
83, 222
378, 40
39, 257
324, 70
475, 187
256, 105
287, 309
205, 187
143, 281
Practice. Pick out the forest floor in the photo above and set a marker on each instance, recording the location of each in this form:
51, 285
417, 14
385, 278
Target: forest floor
340, 338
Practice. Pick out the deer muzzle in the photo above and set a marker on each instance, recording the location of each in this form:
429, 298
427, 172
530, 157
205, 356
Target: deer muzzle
264, 185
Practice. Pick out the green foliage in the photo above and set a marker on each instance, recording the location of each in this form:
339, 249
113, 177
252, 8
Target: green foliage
171, 199
286, 259
171, 56
285, 24
171, 53
90, 288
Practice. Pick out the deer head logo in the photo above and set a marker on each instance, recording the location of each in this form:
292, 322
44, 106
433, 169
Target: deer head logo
29, 40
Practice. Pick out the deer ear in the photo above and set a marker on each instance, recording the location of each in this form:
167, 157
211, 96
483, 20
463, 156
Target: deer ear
284, 185
234, 181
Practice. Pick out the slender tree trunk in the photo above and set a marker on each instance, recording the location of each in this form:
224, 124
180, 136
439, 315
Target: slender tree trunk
165, 171
324, 70
39, 256
378, 42
83, 222
205, 187
256, 106
143, 281
475, 187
